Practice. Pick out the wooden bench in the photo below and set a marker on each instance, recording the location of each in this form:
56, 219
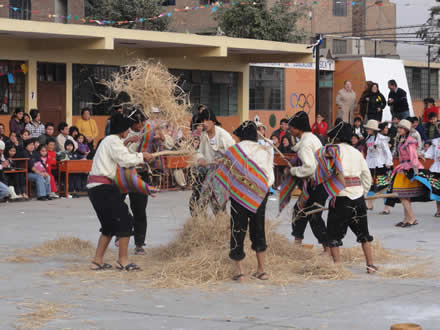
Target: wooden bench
69, 167
22, 167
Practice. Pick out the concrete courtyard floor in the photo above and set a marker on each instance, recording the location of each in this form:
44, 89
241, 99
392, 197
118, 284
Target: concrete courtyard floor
365, 302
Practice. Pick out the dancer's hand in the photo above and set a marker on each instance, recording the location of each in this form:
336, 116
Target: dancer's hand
147, 156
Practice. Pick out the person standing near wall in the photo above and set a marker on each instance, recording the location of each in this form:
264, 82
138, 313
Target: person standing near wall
346, 101
398, 101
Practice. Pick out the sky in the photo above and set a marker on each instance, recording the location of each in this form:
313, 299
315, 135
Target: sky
412, 12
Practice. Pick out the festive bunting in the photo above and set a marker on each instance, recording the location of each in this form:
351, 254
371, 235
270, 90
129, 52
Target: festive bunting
214, 8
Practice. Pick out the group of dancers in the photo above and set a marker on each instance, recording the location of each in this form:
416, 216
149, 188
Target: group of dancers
243, 174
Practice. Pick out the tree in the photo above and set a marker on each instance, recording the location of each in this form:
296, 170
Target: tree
254, 20
128, 10
430, 32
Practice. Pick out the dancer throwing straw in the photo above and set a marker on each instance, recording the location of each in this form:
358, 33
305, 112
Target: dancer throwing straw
214, 141
306, 148
105, 196
345, 174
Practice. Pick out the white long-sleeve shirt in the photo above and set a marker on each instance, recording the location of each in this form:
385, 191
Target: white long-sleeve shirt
213, 149
306, 149
260, 155
133, 147
378, 151
354, 165
110, 154
434, 153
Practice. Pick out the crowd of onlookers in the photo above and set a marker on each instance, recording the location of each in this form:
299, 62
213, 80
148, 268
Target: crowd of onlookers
43, 145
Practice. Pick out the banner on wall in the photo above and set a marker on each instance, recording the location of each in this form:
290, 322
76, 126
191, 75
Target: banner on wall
324, 65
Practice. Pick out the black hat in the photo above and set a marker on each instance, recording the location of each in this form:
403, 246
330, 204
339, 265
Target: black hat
300, 121
207, 114
247, 131
119, 124
342, 131
429, 100
383, 125
413, 119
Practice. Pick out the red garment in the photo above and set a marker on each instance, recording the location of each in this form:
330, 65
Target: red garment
320, 129
51, 163
427, 111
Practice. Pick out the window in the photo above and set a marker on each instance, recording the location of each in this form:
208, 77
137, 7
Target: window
339, 46
12, 86
20, 9
61, 11
88, 91
51, 71
217, 90
169, 3
266, 88
326, 79
340, 8
418, 83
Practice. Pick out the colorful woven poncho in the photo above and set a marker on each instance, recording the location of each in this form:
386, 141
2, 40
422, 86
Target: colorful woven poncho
239, 178
146, 143
329, 171
127, 180
289, 184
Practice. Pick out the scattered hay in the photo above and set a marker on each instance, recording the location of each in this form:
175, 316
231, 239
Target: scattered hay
198, 257
63, 245
40, 314
404, 271
19, 260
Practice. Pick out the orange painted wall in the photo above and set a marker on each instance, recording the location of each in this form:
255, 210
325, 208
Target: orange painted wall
297, 82
348, 70
4, 119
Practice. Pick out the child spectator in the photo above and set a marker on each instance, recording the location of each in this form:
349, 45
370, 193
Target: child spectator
430, 128
359, 129
24, 136
26, 119
35, 127
37, 173
286, 145
426, 147
358, 144
4, 190
275, 140
16, 180
48, 163
13, 141
16, 123
319, 128
73, 132
430, 107
63, 128
83, 147
69, 153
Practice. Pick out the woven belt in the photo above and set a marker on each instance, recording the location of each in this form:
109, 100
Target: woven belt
352, 181
99, 179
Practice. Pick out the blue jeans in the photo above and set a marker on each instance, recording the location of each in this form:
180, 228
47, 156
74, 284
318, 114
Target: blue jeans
4, 190
43, 184
402, 115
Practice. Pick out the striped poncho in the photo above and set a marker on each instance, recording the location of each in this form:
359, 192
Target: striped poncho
127, 180
329, 170
239, 178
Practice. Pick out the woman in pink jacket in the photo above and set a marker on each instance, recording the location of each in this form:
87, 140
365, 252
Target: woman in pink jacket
409, 165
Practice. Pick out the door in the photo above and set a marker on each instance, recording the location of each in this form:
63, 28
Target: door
326, 96
52, 92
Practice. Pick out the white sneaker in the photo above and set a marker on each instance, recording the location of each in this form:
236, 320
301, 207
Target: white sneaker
12, 193
69, 196
53, 195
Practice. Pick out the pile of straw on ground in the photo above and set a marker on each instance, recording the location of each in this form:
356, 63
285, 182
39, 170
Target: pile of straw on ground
198, 257
39, 315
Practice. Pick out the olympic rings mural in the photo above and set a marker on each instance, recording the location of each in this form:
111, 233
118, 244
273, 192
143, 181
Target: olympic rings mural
301, 102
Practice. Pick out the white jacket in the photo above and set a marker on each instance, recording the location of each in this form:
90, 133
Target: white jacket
306, 149
261, 156
354, 165
378, 151
434, 153
110, 154
211, 152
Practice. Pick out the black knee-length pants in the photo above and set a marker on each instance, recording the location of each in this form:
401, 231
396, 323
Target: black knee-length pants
241, 218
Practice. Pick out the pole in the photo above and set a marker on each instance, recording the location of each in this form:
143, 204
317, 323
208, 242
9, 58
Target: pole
429, 71
317, 74
375, 48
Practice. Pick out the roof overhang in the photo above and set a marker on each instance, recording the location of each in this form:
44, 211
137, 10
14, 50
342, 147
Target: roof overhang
35, 35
